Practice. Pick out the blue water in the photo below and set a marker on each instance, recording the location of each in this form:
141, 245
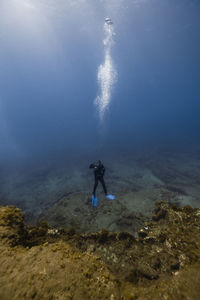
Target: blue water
69, 97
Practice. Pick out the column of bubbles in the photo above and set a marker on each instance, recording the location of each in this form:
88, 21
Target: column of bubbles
107, 74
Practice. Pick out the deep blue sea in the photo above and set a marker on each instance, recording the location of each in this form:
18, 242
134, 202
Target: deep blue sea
83, 80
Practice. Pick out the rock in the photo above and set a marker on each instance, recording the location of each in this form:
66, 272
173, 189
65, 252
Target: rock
12, 228
123, 235
159, 214
102, 263
142, 233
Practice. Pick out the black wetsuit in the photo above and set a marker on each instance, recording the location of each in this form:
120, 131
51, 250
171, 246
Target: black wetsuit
99, 171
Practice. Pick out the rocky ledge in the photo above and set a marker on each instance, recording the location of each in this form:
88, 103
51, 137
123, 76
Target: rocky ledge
162, 262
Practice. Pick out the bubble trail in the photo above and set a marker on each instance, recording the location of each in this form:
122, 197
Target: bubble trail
107, 74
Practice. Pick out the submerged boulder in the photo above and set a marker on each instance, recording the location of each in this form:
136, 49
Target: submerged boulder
12, 228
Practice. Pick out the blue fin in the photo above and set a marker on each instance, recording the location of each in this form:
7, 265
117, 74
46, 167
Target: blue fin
94, 201
111, 197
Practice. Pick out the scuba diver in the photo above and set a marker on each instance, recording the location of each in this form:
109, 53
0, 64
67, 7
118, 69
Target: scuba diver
99, 172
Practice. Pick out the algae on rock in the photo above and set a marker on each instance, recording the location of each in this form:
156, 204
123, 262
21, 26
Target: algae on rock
40, 262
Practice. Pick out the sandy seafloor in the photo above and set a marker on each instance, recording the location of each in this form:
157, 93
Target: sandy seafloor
59, 190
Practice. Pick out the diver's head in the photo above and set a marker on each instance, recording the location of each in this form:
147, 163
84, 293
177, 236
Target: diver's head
98, 163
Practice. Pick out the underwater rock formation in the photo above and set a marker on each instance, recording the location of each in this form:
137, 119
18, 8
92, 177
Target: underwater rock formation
41, 262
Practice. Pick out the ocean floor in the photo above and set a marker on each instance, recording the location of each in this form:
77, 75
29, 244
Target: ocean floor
60, 192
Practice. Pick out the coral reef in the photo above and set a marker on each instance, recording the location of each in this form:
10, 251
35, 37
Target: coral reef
161, 262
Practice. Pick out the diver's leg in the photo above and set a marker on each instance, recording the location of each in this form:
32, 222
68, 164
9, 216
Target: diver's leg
95, 186
103, 184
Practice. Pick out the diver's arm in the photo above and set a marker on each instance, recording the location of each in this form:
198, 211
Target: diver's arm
92, 166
